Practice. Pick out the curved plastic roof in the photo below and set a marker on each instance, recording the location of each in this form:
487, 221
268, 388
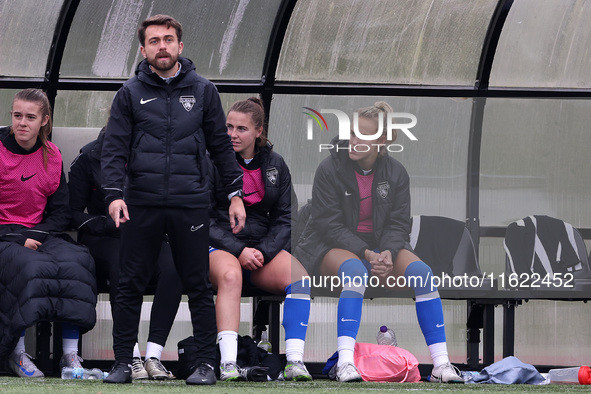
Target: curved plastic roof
542, 44
484, 77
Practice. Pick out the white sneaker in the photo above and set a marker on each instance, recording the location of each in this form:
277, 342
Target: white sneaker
446, 373
71, 360
296, 370
230, 371
22, 366
156, 370
138, 372
348, 372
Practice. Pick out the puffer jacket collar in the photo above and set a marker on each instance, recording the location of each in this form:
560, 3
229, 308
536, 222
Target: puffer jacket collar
145, 74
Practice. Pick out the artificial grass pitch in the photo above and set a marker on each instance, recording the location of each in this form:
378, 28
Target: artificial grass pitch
57, 385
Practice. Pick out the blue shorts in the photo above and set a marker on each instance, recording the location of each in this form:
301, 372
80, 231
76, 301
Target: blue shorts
245, 273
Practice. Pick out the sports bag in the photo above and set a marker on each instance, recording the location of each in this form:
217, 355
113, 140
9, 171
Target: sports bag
258, 364
380, 363
383, 363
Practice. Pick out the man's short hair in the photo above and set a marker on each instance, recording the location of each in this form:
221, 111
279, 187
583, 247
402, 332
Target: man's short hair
159, 20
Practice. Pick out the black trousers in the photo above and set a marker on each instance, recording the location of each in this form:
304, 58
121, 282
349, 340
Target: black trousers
141, 240
106, 251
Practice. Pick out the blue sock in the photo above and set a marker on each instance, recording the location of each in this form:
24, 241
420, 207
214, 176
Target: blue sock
351, 272
428, 303
70, 331
296, 310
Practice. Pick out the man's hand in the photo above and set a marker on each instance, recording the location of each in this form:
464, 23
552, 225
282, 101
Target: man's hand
115, 209
237, 214
32, 244
251, 259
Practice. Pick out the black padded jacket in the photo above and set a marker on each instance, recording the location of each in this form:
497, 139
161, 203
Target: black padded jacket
158, 134
268, 222
334, 215
87, 198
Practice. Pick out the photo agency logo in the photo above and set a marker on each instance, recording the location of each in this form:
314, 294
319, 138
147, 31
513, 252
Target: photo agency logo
393, 122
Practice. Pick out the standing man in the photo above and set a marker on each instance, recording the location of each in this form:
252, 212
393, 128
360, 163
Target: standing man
154, 169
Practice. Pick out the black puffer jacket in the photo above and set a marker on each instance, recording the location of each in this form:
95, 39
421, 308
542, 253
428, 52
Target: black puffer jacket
87, 198
334, 215
158, 134
268, 223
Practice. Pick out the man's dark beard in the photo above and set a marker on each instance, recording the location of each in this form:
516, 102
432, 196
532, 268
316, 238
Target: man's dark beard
155, 65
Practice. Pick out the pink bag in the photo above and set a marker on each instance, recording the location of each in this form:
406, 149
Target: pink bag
381, 363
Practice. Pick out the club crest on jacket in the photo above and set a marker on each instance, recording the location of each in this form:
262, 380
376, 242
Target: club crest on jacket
383, 188
187, 101
272, 174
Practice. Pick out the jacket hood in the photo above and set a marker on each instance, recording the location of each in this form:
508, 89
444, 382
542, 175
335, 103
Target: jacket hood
267, 148
96, 149
4, 131
93, 148
339, 155
261, 156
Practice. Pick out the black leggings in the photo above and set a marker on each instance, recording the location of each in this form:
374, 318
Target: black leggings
167, 295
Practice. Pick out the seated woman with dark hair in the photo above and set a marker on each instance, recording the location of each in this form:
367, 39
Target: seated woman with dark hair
259, 253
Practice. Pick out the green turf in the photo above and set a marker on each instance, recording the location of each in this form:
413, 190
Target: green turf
56, 385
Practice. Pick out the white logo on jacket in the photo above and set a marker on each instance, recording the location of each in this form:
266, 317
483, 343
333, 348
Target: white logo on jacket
187, 101
272, 174
142, 101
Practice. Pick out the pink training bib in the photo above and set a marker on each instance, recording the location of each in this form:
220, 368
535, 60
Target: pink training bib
27, 184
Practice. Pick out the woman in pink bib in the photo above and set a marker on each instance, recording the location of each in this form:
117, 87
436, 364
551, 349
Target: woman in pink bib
44, 275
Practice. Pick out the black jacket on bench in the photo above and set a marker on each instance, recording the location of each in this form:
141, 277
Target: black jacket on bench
87, 201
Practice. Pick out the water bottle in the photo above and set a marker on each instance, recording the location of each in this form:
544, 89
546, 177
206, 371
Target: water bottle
575, 375
83, 373
264, 343
386, 337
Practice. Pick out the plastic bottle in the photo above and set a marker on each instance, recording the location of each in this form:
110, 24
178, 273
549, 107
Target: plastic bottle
575, 375
386, 337
83, 373
264, 343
